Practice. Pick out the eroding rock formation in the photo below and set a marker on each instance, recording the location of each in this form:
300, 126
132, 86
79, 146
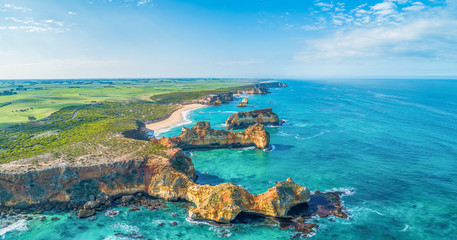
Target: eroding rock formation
203, 136
243, 103
222, 203
245, 119
215, 99
93, 188
255, 90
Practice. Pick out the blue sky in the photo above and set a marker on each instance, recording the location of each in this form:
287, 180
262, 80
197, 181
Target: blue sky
228, 38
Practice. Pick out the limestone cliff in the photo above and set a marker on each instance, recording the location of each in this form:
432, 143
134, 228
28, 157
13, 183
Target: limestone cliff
75, 185
215, 99
93, 188
245, 119
203, 136
243, 103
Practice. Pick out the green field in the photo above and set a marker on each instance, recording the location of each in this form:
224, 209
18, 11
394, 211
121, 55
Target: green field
39, 98
80, 122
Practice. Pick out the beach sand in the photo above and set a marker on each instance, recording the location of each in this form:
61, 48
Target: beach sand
175, 118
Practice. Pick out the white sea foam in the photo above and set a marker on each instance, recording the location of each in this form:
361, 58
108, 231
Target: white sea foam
125, 227
345, 191
20, 225
406, 228
297, 136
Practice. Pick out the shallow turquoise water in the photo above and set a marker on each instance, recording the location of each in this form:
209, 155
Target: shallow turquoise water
393, 142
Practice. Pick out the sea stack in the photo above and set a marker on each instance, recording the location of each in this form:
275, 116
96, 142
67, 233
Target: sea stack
203, 136
243, 103
245, 119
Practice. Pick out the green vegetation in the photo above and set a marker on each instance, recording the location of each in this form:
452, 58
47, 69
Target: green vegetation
41, 98
90, 127
182, 97
80, 133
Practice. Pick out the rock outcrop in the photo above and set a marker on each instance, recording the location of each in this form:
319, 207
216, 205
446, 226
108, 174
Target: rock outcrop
245, 119
222, 203
255, 90
203, 136
243, 103
93, 188
215, 99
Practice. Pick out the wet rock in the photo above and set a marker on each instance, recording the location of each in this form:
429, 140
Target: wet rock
134, 209
91, 204
55, 219
173, 223
126, 199
85, 213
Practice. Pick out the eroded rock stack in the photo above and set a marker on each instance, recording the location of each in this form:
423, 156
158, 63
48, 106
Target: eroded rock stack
245, 119
203, 136
243, 103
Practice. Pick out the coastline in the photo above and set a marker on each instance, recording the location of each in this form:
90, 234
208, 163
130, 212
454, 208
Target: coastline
176, 118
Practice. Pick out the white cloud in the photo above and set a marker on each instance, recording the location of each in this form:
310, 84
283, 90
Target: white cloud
31, 25
416, 6
13, 7
72, 13
145, 3
431, 35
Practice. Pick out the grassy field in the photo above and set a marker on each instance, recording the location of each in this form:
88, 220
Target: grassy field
40, 98
80, 124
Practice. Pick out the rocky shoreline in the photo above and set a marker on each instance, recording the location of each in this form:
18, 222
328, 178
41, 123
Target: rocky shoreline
146, 181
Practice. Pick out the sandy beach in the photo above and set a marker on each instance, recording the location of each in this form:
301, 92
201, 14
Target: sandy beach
175, 118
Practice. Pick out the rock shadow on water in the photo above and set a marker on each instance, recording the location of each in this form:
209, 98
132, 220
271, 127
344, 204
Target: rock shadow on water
210, 179
282, 147
300, 218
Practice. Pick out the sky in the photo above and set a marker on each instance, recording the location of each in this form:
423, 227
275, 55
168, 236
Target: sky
228, 38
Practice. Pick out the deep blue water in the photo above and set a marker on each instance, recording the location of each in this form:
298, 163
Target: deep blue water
393, 143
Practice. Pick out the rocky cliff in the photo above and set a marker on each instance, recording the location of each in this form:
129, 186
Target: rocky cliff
270, 84
203, 136
245, 119
215, 99
95, 187
243, 103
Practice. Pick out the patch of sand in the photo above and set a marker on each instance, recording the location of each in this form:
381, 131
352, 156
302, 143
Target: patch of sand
175, 118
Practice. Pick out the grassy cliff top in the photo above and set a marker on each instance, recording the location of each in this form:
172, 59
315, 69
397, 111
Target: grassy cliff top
96, 131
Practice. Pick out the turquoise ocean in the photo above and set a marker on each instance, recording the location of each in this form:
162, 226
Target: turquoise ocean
391, 145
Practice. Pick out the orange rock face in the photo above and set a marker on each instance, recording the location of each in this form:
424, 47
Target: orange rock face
243, 103
245, 119
203, 136
222, 203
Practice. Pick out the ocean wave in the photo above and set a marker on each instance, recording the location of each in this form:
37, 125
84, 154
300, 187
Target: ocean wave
313, 136
381, 95
20, 225
345, 191
406, 228
228, 112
